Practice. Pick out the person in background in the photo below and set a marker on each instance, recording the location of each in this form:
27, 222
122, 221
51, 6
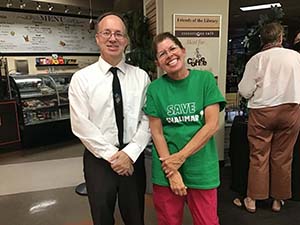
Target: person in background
271, 83
183, 108
113, 159
296, 41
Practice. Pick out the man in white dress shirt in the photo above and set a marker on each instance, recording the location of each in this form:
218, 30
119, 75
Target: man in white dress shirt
271, 82
112, 170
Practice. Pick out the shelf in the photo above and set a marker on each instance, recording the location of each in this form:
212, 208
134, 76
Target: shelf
46, 121
65, 117
39, 108
51, 65
35, 95
63, 104
63, 92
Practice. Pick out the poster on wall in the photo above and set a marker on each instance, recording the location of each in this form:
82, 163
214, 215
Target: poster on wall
41, 33
201, 35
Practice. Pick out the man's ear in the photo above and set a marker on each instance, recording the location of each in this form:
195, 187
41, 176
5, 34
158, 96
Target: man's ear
97, 39
127, 42
156, 63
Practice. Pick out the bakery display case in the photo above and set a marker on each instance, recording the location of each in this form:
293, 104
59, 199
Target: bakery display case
43, 107
42, 98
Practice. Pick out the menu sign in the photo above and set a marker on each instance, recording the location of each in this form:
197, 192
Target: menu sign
40, 33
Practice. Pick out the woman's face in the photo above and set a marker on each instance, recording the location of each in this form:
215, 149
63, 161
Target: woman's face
170, 57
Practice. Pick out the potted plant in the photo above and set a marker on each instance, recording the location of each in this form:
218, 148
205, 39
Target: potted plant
140, 52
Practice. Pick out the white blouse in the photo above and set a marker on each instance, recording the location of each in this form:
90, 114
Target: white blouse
271, 78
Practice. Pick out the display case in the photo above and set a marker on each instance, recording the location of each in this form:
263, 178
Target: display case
42, 98
62, 82
43, 107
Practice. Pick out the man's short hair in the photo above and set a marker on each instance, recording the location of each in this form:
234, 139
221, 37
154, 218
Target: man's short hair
101, 17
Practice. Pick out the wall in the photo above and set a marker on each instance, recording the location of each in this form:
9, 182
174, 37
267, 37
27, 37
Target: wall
167, 8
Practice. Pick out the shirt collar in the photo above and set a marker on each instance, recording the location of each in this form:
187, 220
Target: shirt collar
271, 45
105, 66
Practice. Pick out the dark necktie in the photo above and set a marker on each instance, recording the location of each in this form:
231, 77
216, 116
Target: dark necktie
118, 104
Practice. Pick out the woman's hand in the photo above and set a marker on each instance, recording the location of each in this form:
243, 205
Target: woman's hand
177, 185
172, 163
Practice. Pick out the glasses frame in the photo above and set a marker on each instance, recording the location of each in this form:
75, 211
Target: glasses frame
164, 53
107, 34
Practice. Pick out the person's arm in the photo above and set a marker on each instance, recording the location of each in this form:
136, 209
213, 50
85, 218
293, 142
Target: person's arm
173, 162
142, 135
176, 182
158, 136
248, 84
82, 126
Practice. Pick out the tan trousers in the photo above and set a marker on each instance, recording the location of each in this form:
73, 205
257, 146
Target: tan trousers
272, 133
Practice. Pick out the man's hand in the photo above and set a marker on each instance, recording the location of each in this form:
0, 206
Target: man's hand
177, 185
121, 164
172, 163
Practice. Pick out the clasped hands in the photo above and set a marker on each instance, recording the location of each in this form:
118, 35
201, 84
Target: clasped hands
170, 166
121, 164
172, 163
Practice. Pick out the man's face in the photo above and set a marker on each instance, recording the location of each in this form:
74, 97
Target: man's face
111, 38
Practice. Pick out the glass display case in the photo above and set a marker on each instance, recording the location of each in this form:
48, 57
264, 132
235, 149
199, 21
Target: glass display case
43, 97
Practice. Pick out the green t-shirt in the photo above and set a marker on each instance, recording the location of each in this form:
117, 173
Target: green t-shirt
180, 105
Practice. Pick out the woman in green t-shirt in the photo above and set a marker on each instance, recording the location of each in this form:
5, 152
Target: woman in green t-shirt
183, 108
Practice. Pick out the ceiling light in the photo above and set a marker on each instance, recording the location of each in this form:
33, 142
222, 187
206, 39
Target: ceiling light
38, 6
66, 9
9, 4
257, 7
22, 4
91, 23
50, 7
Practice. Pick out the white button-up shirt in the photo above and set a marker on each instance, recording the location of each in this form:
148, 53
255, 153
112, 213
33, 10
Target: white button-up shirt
92, 109
271, 78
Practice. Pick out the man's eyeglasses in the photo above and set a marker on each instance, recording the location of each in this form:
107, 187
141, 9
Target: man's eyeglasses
107, 34
163, 54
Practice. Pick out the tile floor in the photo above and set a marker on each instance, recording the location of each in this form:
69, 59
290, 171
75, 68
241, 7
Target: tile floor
38, 188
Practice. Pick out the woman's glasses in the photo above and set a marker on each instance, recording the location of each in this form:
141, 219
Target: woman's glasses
163, 54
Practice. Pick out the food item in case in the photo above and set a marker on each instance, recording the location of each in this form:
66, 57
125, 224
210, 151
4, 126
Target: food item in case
62, 43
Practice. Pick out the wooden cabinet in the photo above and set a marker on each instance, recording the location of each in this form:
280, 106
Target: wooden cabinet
9, 125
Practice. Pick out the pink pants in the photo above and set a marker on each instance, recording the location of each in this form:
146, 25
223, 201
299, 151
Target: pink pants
169, 207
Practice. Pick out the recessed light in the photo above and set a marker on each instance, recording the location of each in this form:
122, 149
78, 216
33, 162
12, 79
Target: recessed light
258, 7
50, 7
